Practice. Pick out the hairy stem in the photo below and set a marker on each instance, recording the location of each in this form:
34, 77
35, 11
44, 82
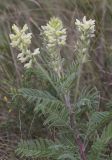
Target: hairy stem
78, 79
72, 119
73, 126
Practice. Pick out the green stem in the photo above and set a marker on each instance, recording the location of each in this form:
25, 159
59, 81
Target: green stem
78, 80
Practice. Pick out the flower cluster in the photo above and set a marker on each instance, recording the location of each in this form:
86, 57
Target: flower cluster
86, 29
54, 33
22, 41
54, 36
20, 38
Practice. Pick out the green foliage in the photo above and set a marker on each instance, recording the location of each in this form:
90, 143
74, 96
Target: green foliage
100, 143
88, 99
91, 112
34, 94
35, 148
45, 148
98, 120
56, 115
76, 118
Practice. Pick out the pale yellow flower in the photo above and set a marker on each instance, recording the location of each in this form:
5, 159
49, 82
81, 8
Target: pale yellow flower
86, 27
20, 38
54, 33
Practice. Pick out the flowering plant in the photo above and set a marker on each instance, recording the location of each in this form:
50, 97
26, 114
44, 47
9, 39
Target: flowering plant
69, 108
